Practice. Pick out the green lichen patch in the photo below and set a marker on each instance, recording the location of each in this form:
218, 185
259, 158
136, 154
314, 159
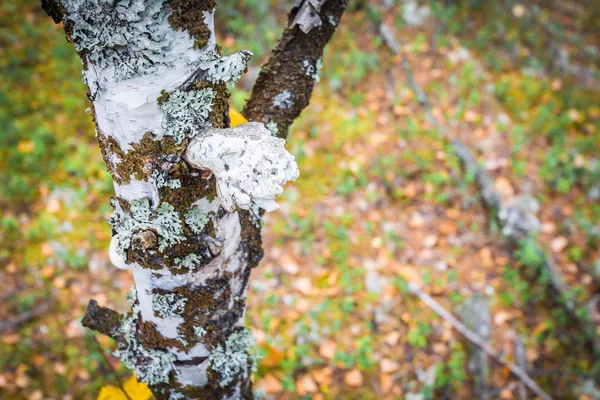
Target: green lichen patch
196, 220
168, 305
219, 114
188, 263
186, 113
231, 358
164, 221
162, 180
151, 365
189, 15
125, 34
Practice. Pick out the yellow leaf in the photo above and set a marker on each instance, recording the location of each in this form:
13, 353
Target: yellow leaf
25, 146
236, 118
136, 391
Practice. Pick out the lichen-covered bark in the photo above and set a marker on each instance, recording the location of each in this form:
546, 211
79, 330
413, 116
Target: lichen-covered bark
155, 81
188, 190
286, 81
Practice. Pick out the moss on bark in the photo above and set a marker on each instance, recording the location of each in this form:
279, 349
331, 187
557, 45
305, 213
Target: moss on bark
189, 15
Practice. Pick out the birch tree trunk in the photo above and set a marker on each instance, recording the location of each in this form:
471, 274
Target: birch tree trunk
188, 189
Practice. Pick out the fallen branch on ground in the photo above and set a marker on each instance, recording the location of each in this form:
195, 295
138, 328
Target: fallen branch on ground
491, 198
475, 339
12, 324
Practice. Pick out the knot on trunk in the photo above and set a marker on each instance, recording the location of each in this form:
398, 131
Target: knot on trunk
144, 241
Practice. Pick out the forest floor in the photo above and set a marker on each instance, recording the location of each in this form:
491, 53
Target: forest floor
382, 202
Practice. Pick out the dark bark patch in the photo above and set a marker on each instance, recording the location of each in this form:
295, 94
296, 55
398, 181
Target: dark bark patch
150, 338
189, 15
54, 9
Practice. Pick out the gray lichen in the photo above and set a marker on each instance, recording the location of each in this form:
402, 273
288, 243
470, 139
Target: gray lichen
164, 221
226, 69
231, 359
283, 100
313, 70
199, 331
272, 127
186, 113
151, 366
196, 220
162, 180
189, 262
168, 305
176, 396
126, 34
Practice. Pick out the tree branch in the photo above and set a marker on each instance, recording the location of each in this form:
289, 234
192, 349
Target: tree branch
286, 81
102, 319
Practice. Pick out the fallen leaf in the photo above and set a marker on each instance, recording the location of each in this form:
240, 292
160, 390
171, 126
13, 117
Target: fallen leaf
440, 348
558, 244
133, 388
430, 241
353, 378
504, 187
303, 305
501, 317
306, 385
53, 206
327, 350
385, 382
36, 395
388, 366
288, 264
416, 220
392, 338
303, 285
409, 273
323, 376
273, 357
47, 250
270, 384
411, 190
11, 339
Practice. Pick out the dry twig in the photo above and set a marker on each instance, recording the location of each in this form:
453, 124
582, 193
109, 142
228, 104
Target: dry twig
475, 339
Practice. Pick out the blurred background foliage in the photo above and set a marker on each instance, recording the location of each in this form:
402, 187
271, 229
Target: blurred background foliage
382, 201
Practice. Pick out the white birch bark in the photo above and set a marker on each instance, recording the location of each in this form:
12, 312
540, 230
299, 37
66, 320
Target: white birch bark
151, 85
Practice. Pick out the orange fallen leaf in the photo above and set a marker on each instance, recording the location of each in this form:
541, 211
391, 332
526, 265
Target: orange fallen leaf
353, 378
306, 385
385, 382
270, 384
327, 350
388, 366
273, 358
558, 244
323, 376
